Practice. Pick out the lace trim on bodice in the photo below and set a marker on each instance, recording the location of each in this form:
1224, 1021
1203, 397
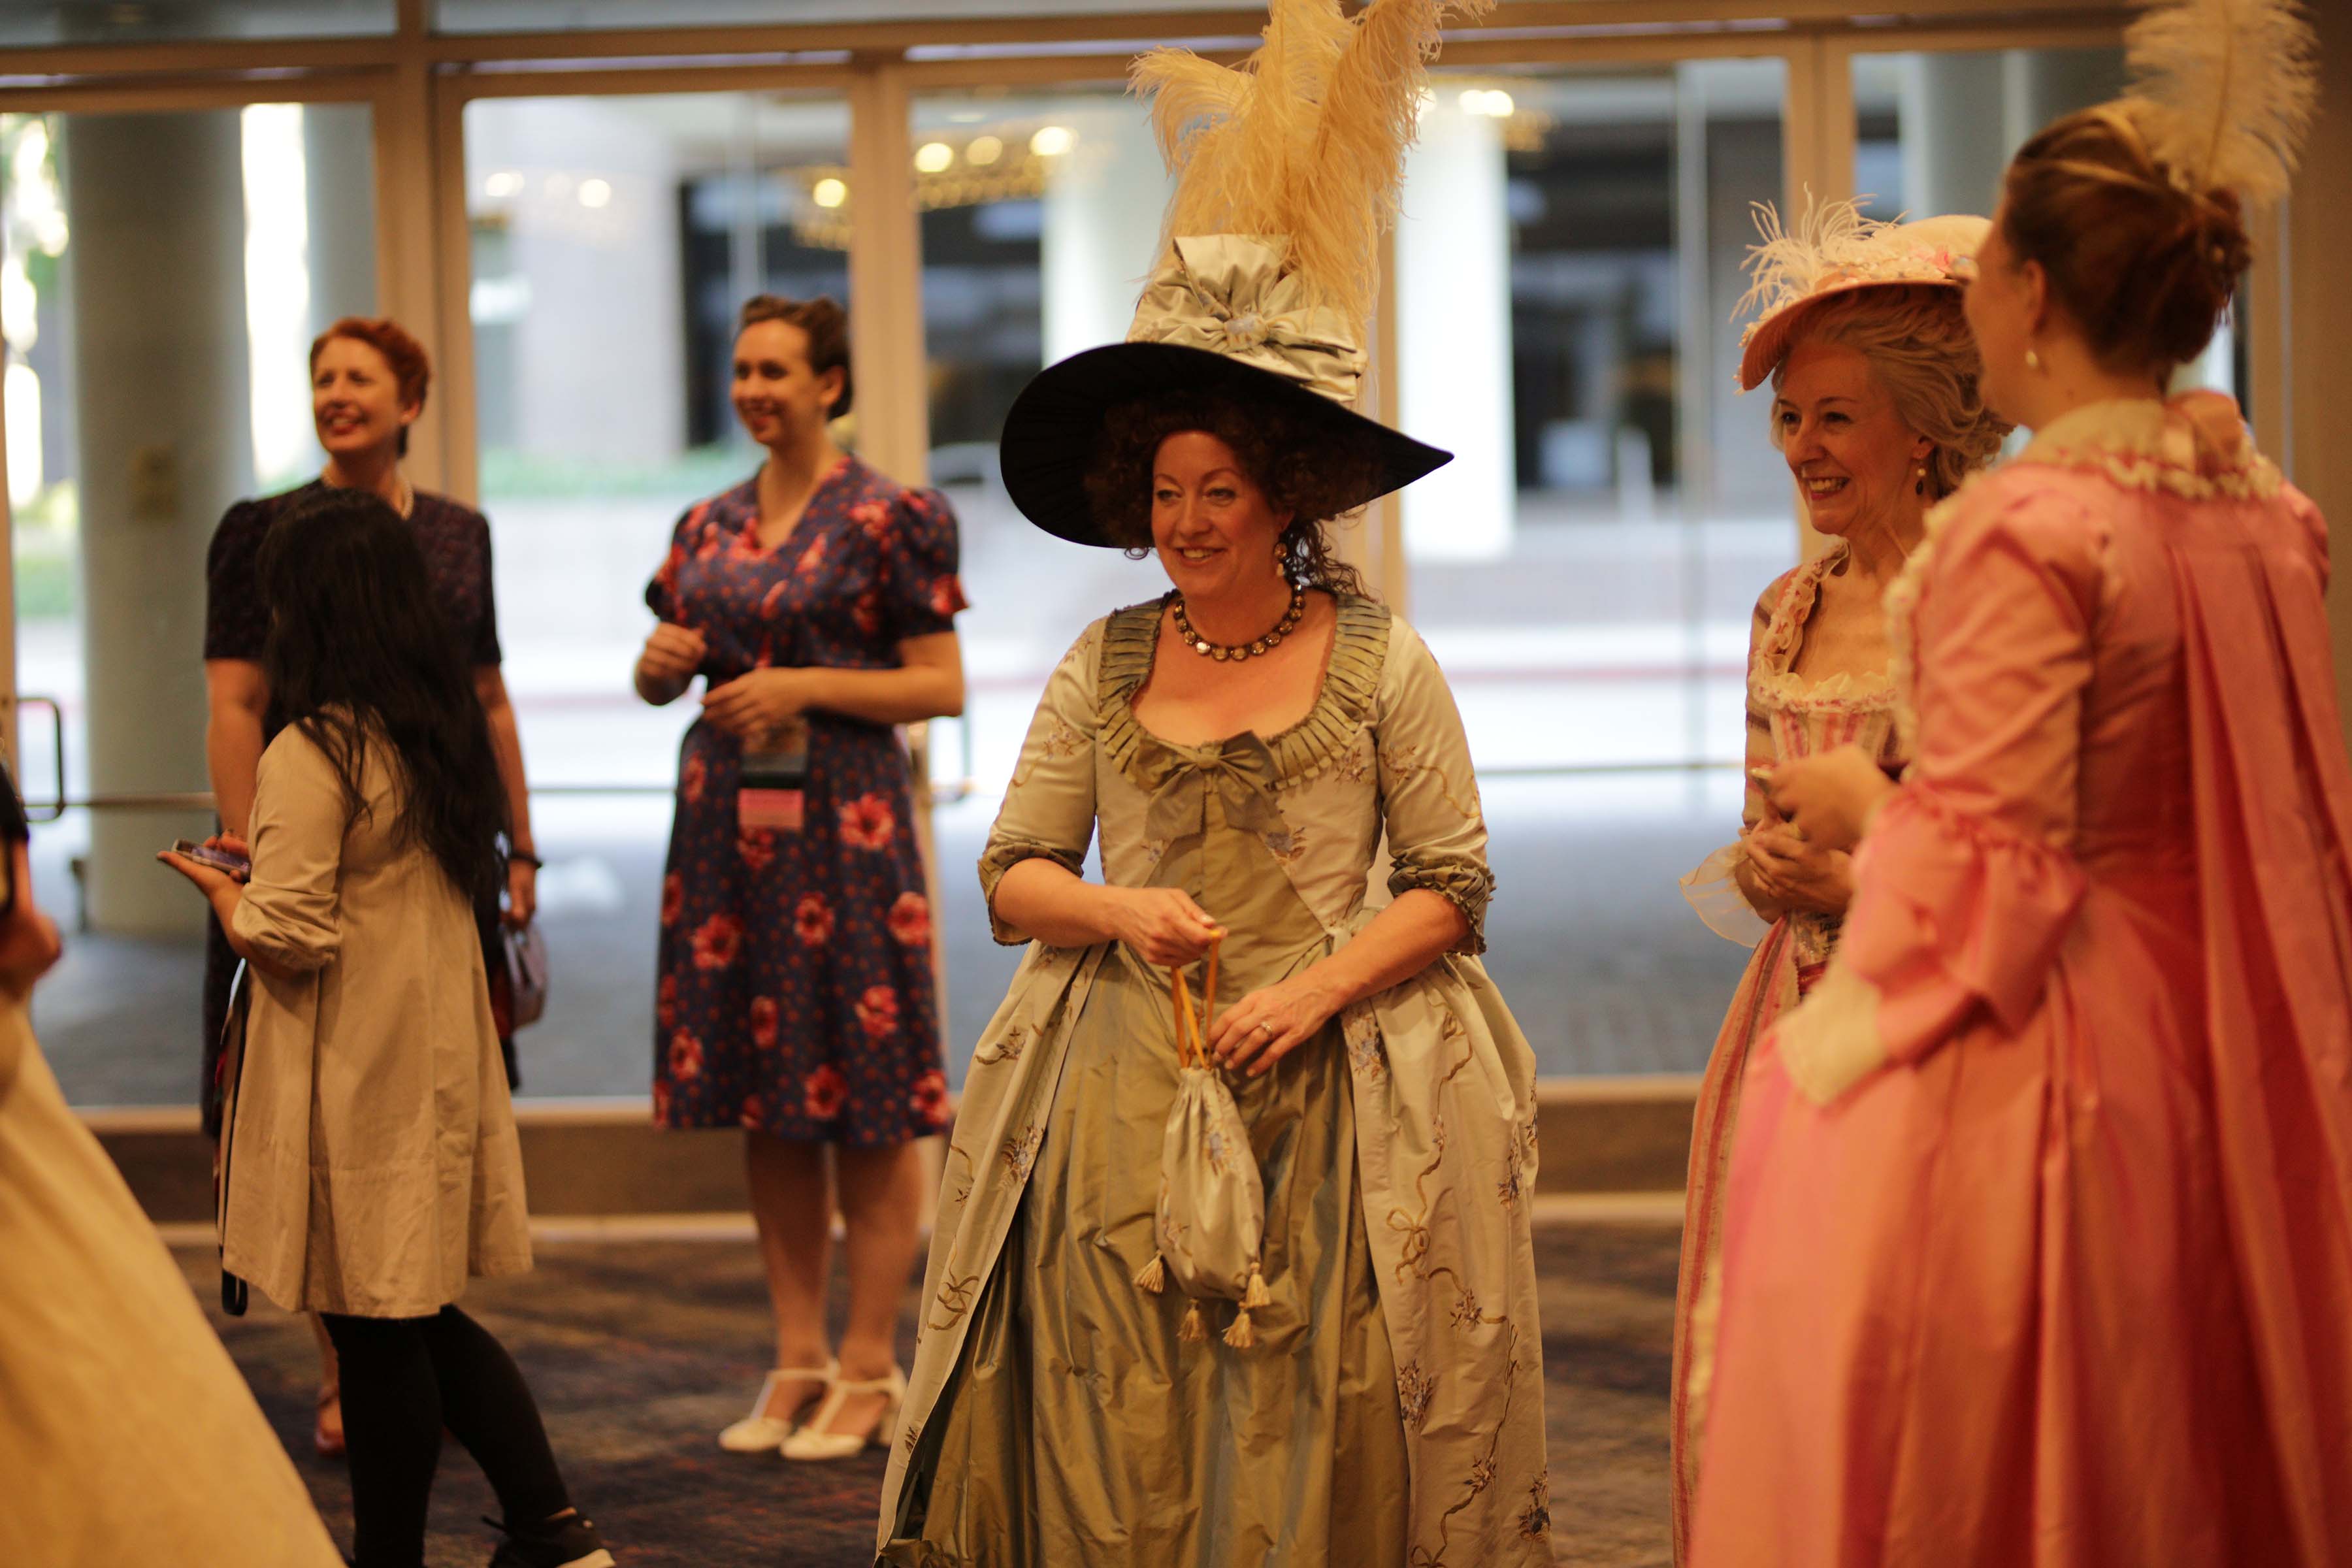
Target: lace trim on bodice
2194, 445
1359, 648
1774, 687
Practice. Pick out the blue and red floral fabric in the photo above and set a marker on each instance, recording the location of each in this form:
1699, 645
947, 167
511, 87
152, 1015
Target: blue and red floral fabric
797, 994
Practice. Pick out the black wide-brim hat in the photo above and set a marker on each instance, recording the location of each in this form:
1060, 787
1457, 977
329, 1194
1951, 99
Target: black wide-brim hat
1056, 427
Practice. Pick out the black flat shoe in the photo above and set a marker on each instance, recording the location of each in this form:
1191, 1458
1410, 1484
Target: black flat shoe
570, 1541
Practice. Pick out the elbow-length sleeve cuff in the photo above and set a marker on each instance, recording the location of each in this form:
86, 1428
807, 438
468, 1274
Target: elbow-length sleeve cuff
293, 930
1713, 893
1951, 913
1001, 857
1465, 884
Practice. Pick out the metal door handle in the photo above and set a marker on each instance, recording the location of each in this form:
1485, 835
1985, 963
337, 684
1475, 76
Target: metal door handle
49, 811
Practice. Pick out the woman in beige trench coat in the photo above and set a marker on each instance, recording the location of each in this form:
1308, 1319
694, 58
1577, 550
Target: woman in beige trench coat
371, 1160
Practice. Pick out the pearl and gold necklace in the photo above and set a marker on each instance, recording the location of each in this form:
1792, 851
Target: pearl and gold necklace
1236, 651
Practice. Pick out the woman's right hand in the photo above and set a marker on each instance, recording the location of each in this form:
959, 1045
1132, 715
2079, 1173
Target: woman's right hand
671, 656
1163, 924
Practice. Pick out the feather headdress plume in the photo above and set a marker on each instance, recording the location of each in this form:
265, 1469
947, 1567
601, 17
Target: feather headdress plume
1305, 139
1287, 169
2223, 92
1834, 249
1785, 265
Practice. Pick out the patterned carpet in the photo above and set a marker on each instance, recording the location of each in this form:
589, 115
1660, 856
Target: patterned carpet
639, 1351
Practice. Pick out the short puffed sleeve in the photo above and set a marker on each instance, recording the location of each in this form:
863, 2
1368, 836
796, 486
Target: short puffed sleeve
921, 591
661, 593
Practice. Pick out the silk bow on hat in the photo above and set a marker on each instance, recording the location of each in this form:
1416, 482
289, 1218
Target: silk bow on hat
1229, 294
1239, 771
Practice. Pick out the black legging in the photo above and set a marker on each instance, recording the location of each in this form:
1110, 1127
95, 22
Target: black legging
403, 1380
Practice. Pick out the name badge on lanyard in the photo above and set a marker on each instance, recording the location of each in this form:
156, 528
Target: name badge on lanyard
772, 792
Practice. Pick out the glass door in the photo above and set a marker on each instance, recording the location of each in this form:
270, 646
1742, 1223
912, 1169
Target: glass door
1567, 261
612, 239
162, 275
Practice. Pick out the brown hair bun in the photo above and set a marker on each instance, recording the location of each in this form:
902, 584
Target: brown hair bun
2145, 269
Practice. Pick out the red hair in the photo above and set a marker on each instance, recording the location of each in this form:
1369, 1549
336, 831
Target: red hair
411, 367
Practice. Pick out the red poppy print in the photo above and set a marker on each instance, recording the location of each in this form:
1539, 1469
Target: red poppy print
813, 921
910, 920
800, 965
757, 847
822, 1091
929, 1099
717, 942
867, 823
877, 1012
671, 565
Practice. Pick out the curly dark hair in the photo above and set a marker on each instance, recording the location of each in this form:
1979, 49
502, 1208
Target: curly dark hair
1311, 468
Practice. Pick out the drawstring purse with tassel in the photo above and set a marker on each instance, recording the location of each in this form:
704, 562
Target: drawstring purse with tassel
1210, 1224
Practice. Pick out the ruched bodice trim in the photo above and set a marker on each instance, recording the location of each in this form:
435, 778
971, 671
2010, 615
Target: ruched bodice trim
1359, 648
1773, 686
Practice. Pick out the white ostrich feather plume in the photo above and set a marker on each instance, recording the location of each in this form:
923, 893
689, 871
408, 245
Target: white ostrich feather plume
1786, 264
1305, 139
2224, 91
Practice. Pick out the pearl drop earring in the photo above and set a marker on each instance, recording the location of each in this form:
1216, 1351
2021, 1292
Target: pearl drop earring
1919, 487
2032, 362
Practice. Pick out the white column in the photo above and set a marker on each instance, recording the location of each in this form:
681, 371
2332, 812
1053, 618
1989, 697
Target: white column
1454, 335
1102, 210
339, 180
157, 204
1955, 133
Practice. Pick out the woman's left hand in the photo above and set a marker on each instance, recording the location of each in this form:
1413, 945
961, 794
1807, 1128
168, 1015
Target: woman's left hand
759, 699
522, 893
210, 880
1829, 798
1266, 1025
1797, 873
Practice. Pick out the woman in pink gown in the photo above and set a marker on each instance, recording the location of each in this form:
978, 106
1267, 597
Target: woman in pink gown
1876, 410
2039, 1248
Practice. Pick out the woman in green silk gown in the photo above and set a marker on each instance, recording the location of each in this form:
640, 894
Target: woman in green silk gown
1390, 1409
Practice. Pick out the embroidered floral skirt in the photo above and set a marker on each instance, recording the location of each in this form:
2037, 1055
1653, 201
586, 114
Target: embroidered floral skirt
795, 993
1078, 1427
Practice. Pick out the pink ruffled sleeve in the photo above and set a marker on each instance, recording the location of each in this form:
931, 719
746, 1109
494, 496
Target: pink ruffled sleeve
1966, 884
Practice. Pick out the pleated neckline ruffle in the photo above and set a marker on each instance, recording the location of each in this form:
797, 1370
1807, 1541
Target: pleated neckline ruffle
1359, 648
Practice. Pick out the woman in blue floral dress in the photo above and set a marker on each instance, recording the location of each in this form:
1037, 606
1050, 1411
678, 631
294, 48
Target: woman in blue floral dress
818, 602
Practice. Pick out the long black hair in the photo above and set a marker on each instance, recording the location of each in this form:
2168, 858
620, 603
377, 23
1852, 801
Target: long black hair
359, 651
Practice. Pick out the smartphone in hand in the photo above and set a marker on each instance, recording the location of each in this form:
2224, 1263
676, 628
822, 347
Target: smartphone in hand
236, 865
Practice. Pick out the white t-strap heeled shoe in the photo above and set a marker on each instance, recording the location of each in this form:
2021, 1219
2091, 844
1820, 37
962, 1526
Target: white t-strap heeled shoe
814, 1441
761, 1433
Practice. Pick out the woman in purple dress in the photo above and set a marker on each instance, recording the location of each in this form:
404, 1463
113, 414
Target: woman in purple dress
817, 600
